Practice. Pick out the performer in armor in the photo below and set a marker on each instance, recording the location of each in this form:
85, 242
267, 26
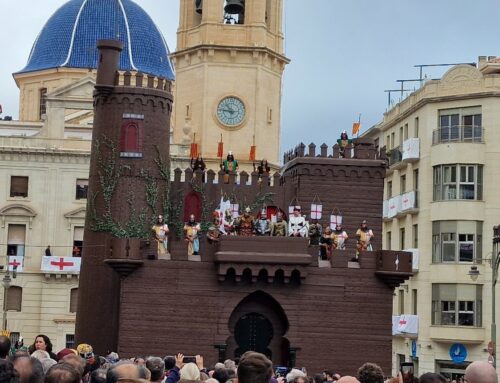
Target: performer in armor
326, 244
280, 227
198, 164
298, 226
229, 223
229, 165
364, 236
343, 142
245, 225
191, 229
315, 232
214, 233
262, 225
160, 230
339, 238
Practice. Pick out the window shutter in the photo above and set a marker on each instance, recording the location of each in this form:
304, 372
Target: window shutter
14, 298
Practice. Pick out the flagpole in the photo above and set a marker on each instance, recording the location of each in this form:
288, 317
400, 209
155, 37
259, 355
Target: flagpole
359, 122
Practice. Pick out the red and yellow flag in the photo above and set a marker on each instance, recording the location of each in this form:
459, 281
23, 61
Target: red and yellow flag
194, 150
355, 128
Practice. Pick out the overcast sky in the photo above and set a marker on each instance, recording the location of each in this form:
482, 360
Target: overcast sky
344, 52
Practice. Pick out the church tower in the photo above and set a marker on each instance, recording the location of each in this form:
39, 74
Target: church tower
229, 66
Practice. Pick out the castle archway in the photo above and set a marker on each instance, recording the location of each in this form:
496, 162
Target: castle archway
259, 323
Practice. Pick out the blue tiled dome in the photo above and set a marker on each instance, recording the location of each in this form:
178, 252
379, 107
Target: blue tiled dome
69, 38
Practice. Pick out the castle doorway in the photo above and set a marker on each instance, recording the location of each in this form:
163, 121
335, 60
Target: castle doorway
259, 323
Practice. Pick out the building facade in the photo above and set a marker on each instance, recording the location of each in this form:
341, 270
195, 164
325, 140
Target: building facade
442, 145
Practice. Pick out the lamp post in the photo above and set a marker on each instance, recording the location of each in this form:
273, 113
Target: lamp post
6, 284
474, 273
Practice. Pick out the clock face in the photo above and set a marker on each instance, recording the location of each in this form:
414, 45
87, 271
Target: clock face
231, 111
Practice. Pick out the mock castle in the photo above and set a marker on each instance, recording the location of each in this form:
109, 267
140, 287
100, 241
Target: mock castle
269, 294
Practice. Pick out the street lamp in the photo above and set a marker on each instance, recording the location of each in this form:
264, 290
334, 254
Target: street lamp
6, 284
474, 273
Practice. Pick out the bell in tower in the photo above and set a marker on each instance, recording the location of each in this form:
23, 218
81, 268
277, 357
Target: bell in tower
199, 6
235, 7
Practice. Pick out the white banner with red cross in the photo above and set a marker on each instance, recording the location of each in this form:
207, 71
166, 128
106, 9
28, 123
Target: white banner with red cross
16, 262
61, 264
235, 210
292, 208
316, 211
335, 220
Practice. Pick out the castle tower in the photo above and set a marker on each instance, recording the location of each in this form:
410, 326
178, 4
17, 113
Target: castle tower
229, 66
128, 177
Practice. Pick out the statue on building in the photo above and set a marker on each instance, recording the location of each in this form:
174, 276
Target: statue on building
339, 237
298, 226
262, 224
161, 231
198, 164
229, 165
326, 244
191, 230
364, 236
315, 232
245, 224
280, 227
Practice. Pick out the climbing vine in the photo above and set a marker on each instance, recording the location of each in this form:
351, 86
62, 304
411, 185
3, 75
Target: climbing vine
207, 207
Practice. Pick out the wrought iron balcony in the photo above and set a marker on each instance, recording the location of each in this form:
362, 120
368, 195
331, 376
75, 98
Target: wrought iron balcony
458, 133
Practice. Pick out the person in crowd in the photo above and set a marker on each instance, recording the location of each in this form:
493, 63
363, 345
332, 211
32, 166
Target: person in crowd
294, 374
5, 346
62, 373
326, 244
76, 361
364, 236
191, 230
280, 227
298, 226
480, 372
318, 378
42, 342
221, 374
431, 377
262, 224
125, 370
40, 355
160, 232
370, 373
47, 364
254, 368
65, 351
98, 376
348, 379
92, 362
169, 364
315, 232
190, 373
339, 237
7, 372
331, 376
30, 370
157, 367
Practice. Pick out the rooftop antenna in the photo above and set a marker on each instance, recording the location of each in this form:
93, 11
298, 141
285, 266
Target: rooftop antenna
389, 91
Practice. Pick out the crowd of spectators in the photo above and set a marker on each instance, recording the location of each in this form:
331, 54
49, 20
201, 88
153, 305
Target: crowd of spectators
37, 364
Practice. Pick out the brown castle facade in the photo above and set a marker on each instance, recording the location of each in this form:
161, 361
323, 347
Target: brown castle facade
263, 293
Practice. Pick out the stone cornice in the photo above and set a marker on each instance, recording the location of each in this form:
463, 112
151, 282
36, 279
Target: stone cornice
30, 154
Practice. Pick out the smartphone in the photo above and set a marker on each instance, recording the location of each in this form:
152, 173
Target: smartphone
407, 371
189, 359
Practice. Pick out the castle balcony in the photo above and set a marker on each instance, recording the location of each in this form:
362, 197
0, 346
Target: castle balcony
393, 267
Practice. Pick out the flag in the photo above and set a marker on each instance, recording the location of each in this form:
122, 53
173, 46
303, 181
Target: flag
1, 109
335, 220
194, 150
61, 264
316, 211
16, 261
252, 153
292, 207
220, 149
355, 128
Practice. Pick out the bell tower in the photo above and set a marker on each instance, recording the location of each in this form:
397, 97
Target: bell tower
229, 66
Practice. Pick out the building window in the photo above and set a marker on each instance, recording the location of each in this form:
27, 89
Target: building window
457, 305
14, 298
389, 189
73, 300
82, 188
19, 186
401, 302
132, 137
388, 241
456, 241
400, 136
464, 182
459, 125
43, 103
16, 239
414, 295
402, 238
393, 139
402, 184
405, 132
70, 341
415, 236
77, 241
415, 180
416, 127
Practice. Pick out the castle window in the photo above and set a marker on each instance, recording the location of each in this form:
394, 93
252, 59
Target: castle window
82, 188
19, 186
43, 103
131, 138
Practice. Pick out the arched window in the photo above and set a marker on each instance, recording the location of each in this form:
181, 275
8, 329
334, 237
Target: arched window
73, 300
14, 298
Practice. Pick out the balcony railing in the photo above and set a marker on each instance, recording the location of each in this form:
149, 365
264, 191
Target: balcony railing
458, 133
395, 155
401, 204
409, 151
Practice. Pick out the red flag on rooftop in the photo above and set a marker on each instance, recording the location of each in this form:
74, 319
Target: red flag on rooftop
356, 126
253, 149
194, 148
